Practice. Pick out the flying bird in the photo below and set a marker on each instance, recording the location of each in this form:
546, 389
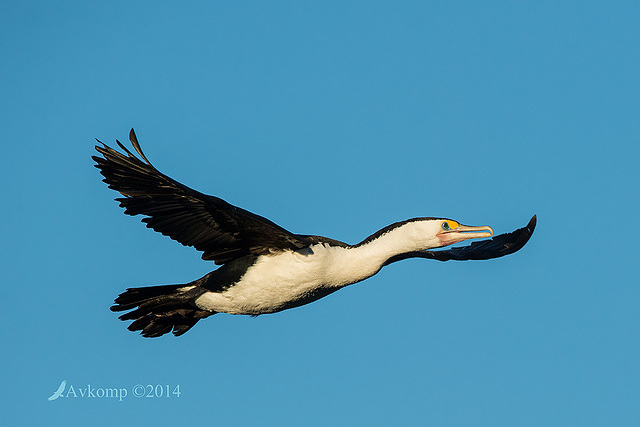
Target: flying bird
56, 394
263, 267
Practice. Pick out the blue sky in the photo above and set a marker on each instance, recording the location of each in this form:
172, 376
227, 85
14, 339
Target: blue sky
331, 118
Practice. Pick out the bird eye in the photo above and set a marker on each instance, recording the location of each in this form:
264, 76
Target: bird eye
445, 226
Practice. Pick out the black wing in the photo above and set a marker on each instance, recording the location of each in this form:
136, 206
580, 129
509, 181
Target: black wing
501, 245
222, 231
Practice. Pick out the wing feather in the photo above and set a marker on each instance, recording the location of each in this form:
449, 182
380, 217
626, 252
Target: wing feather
498, 246
220, 230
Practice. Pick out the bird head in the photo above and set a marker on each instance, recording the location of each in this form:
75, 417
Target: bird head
451, 232
430, 233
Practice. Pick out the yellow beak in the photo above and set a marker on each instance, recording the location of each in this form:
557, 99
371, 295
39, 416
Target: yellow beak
464, 232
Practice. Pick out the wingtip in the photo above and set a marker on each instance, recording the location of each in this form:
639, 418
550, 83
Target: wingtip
101, 146
532, 223
134, 141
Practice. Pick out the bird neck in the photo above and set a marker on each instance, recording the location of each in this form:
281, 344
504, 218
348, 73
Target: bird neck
358, 262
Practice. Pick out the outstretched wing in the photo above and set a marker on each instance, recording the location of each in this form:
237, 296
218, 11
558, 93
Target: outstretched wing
222, 231
498, 246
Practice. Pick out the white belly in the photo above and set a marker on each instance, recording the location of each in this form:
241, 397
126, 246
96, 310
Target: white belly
274, 281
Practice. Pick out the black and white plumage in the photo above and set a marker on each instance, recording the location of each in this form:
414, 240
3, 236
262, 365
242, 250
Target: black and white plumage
264, 268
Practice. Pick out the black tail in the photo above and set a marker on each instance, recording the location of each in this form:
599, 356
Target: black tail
161, 309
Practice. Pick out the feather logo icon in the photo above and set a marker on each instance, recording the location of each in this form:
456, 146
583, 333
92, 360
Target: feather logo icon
59, 391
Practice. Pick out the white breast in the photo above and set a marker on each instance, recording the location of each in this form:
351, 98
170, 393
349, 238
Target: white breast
275, 280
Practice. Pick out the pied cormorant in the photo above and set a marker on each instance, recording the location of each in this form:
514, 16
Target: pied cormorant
264, 268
